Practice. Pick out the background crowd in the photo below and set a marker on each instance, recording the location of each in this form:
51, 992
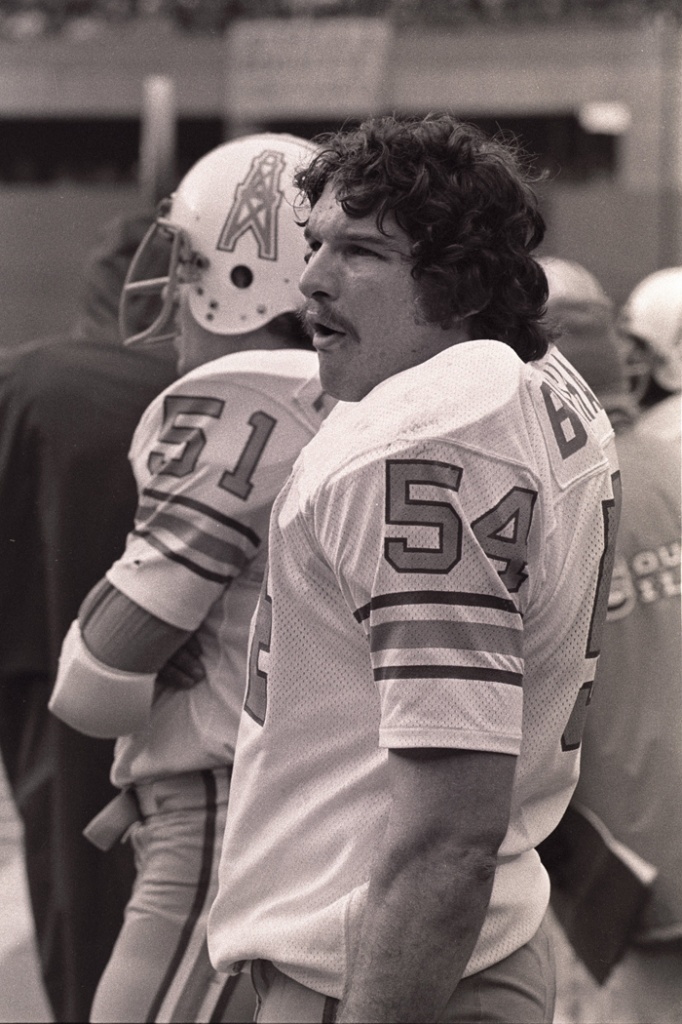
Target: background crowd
85, 19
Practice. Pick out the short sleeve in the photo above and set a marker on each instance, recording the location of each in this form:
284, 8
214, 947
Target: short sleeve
432, 568
209, 458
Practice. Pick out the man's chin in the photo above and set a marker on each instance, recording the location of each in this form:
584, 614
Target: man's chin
334, 383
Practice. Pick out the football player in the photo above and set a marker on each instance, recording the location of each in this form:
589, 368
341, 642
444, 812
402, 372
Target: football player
616, 858
158, 653
426, 641
651, 324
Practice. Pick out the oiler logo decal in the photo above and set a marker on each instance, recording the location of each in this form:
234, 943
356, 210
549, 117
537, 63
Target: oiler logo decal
257, 201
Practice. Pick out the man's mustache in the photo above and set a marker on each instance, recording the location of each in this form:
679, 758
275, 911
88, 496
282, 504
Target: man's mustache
312, 313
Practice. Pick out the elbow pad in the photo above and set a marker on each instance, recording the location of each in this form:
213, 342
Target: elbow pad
96, 699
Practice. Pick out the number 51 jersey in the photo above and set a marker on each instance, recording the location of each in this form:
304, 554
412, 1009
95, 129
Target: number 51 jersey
209, 456
439, 569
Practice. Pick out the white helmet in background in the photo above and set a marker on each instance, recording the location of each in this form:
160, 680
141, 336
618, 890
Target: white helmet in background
582, 312
653, 315
571, 282
234, 234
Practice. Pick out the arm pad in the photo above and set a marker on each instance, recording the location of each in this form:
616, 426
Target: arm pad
96, 699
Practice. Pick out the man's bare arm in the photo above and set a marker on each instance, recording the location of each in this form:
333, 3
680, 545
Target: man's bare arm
430, 884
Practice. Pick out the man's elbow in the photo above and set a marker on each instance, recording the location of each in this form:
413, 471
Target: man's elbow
445, 858
96, 699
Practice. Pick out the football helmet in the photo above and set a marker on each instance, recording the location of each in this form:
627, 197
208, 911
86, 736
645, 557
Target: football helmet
652, 318
569, 281
233, 233
581, 312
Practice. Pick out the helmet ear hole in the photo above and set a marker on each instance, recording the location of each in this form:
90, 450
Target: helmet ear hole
241, 276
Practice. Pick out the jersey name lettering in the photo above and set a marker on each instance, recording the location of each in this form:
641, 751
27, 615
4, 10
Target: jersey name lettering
255, 207
569, 431
574, 390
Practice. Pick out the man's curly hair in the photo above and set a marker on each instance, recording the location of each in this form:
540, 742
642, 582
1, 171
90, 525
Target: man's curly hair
467, 204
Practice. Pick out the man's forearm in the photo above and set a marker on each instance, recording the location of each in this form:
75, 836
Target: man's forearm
417, 936
430, 884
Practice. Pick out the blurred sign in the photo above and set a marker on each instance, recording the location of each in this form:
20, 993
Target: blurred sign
306, 67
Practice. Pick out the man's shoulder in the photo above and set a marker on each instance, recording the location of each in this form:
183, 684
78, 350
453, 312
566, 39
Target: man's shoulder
440, 410
446, 397
63, 387
272, 371
651, 467
282, 382
664, 419
233, 404
21, 364
74, 366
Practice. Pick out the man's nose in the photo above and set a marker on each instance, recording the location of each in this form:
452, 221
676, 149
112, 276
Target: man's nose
320, 279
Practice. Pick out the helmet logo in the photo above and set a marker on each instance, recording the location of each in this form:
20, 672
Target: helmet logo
257, 200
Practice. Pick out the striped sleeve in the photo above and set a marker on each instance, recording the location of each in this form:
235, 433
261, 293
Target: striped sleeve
448, 666
445, 634
192, 535
210, 544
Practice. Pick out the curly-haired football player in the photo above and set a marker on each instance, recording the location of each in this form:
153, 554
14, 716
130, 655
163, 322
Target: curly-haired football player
425, 645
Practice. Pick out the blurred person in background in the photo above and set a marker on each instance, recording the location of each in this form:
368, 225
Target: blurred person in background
209, 457
616, 858
68, 409
651, 326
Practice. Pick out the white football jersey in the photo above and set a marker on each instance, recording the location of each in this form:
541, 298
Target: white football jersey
209, 456
439, 570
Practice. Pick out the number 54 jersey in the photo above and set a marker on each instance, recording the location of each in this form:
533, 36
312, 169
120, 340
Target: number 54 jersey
209, 456
439, 569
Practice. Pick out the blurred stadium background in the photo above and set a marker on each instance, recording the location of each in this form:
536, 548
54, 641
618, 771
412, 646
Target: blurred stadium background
105, 103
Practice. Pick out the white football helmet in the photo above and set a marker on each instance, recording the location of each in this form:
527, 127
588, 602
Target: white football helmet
569, 281
233, 230
584, 315
652, 315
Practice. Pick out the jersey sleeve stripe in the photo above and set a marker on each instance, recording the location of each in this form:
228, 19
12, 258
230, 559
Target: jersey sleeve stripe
174, 556
198, 506
454, 672
467, 636
215, 548
435, 597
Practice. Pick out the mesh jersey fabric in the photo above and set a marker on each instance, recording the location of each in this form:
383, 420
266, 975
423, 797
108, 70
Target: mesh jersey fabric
632, 756
435, 559
209, 456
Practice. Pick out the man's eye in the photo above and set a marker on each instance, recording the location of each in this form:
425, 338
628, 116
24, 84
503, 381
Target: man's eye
312, 247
